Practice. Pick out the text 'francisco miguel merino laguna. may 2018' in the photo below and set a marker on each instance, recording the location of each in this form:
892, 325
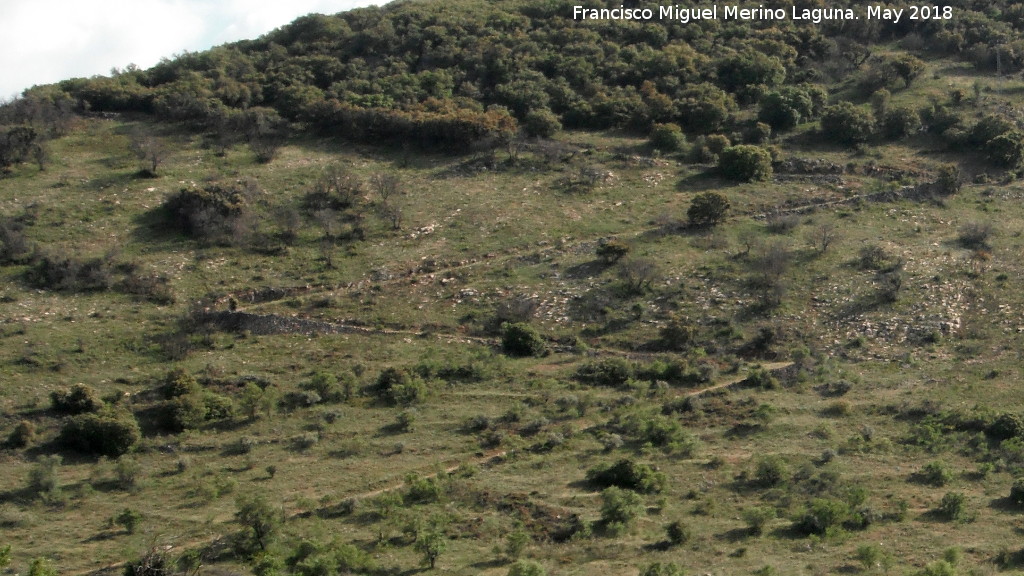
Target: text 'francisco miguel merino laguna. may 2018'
685, 15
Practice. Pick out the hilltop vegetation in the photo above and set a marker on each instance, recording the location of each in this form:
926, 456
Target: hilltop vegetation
471, 288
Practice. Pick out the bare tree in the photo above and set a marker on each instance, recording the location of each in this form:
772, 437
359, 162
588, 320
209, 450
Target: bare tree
638, 273
389, 189
823, 236
149, 149
387, 186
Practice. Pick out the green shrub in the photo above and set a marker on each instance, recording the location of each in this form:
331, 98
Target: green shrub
180, 383
678, 533
821, 516
186, 412
41, 567
422, 490
936, 473
611, 372
707, 209
43, 476
129, 519
1017, 491
630, 475
953, 506
526, 568
667, 137
399, 387
76, 400
620, 506
745, 163
109, 433
541, 123
845, 123
127, 470
521, 339
1005, 426
22, 435
771, 470
662, 569
757, 517
326, 385
901, 122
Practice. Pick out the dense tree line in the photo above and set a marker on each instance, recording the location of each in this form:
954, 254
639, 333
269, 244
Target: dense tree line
447, 74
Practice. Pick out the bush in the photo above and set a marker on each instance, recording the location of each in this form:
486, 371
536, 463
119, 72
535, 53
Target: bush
129, 519
206, 213
612, 251
936, 473
678, 533
1005, 426
400, 387
667, 137
707, 209
953, 506
612, 372
110, 433
541, 123
620, 507
22, 435
42, 477
900, 123
526, 568
630, 475
521, 339
1006, 150
77, 400
845, 123
179, 383
662, 569
745, 163
756, 517
1017, 491
771, 471
975, 235
821, 516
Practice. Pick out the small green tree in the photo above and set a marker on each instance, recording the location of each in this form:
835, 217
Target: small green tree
5, 556
43, 477
707, 209
619, 508
953, 506
260, 522
516, 542
431, 545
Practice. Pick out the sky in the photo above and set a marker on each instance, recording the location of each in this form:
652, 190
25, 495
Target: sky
44, 41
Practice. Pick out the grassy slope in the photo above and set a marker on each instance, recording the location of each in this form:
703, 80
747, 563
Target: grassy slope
516, 232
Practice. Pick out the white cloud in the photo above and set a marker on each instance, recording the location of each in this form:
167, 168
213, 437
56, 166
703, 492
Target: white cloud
44, 41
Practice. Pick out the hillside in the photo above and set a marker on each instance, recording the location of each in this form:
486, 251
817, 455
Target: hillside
472, 288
